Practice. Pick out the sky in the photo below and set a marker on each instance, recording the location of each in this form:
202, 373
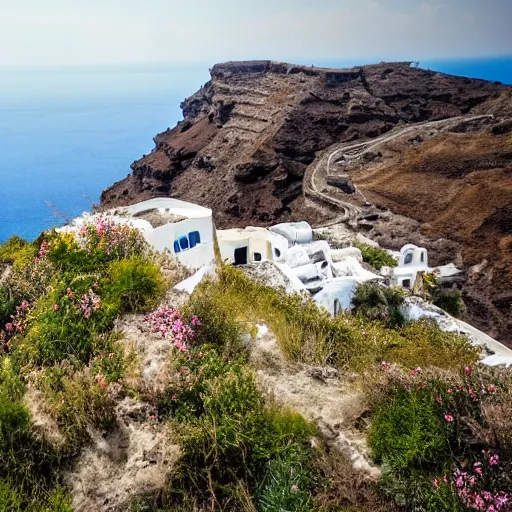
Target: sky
105, 32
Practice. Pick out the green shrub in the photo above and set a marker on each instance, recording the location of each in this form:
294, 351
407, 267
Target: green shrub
408, 432
434, 429
18, 252
10, 383
379, 303
220, 323
376, 257
10, 500
77, 400
26, 461
13, 499
184, 397
64, 325
228, 433
449, 300
134, 285
288, 482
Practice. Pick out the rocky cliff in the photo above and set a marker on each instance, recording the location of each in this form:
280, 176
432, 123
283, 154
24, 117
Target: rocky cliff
252, 135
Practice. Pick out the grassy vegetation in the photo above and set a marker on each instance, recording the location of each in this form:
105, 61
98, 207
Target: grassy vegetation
58, 302
307, 334
376, 257
240, 450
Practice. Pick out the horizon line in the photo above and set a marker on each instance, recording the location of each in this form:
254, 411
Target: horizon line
292, 60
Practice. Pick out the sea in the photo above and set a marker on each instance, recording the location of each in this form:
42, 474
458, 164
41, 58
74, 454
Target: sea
68, 133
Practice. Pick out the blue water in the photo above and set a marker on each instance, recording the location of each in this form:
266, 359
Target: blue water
69, 133
66, 134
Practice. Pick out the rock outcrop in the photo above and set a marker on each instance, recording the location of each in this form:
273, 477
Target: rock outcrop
250, 133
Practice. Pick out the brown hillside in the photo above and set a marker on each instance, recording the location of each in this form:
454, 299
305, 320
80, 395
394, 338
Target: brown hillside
459, 187
249, 134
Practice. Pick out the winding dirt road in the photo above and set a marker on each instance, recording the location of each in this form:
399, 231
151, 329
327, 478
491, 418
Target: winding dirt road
316, 174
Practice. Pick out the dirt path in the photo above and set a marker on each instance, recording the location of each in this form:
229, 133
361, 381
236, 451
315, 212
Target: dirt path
316, 174
318, 395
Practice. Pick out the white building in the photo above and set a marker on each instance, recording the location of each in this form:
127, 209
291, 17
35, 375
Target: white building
182, 228
294, 232
413, 260
250, 245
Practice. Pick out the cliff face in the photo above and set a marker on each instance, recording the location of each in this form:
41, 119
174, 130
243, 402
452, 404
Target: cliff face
250, 133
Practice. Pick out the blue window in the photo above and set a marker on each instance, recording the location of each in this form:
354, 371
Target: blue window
194, 238
176, 246
183, 240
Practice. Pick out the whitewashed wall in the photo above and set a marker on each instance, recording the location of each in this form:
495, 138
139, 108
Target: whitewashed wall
255, 240
163, 238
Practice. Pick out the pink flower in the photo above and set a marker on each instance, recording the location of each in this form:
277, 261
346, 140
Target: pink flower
55, 307
199, 355
478, 468
491, 388
450, 390
416, 371
174, 397
435, 483
9, 327
439, 400
494, 460
101, 380
467, 370
448, 417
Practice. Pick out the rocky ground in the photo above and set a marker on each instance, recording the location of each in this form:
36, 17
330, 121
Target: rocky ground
318, 394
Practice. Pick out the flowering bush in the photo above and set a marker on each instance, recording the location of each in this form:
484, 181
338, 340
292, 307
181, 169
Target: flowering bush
17, 325
456, 406
171, 324
94, 245
116, 240
475, 484
88, 303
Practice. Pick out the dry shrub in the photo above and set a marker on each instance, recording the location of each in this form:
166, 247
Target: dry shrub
78, 401
346, 488
498, 418
173, 271
30, 281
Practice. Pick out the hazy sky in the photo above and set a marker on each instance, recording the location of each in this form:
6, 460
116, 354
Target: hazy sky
55, 32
